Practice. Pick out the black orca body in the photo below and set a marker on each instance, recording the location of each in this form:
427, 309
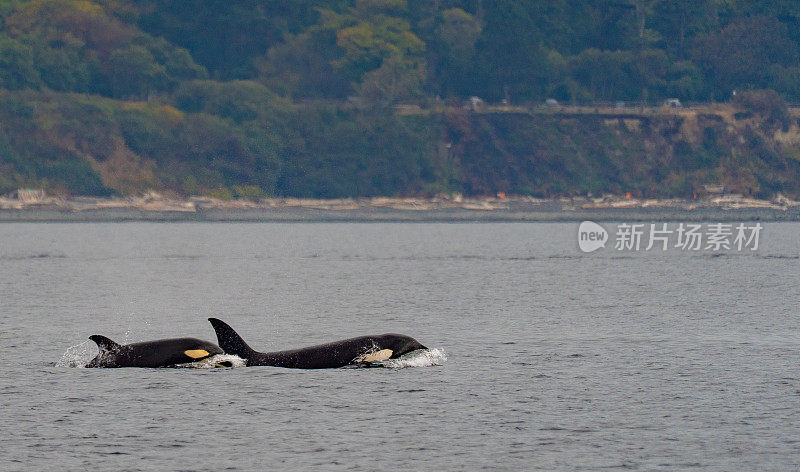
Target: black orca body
160, 353
353, 351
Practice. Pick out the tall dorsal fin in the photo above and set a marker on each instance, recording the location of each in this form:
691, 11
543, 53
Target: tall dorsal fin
104, 344
230, 341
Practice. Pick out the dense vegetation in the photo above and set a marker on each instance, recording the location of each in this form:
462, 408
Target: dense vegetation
247, 98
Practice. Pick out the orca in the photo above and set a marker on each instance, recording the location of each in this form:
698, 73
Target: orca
354, 351
159, 353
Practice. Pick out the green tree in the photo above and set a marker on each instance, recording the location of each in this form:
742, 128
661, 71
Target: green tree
510, 59
743, 54
679, 20
685, 81
79, 47
227, 37
239, 100
367, 44
347, 45
395, 80
62, 66
455, 52
607, 75
133, 72
17, 67
302, 67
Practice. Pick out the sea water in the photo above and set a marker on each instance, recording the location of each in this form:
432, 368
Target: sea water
542, 357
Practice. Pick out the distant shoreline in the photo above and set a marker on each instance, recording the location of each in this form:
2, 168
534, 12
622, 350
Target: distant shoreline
155, 208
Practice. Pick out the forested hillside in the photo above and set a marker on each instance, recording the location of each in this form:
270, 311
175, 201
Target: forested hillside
248, 98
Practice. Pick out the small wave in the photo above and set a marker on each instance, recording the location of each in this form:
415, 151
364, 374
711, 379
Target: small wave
41, 255
219, 360
419, 358
78, 355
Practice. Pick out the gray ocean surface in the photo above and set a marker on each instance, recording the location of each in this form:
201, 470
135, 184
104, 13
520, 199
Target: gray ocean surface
546, 358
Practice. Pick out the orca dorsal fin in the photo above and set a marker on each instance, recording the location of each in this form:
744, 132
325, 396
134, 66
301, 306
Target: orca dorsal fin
230, 341
105, 344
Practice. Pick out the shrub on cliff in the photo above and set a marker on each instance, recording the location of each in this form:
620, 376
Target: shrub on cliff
768, 104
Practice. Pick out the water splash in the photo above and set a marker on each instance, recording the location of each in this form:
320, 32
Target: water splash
133, 321
78, 355
219, 360
418, 358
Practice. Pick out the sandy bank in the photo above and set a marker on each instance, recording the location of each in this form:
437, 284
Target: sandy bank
35, 206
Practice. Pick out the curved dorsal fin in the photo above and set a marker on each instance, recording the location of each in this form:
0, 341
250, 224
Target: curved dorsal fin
230, 341
105, 344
